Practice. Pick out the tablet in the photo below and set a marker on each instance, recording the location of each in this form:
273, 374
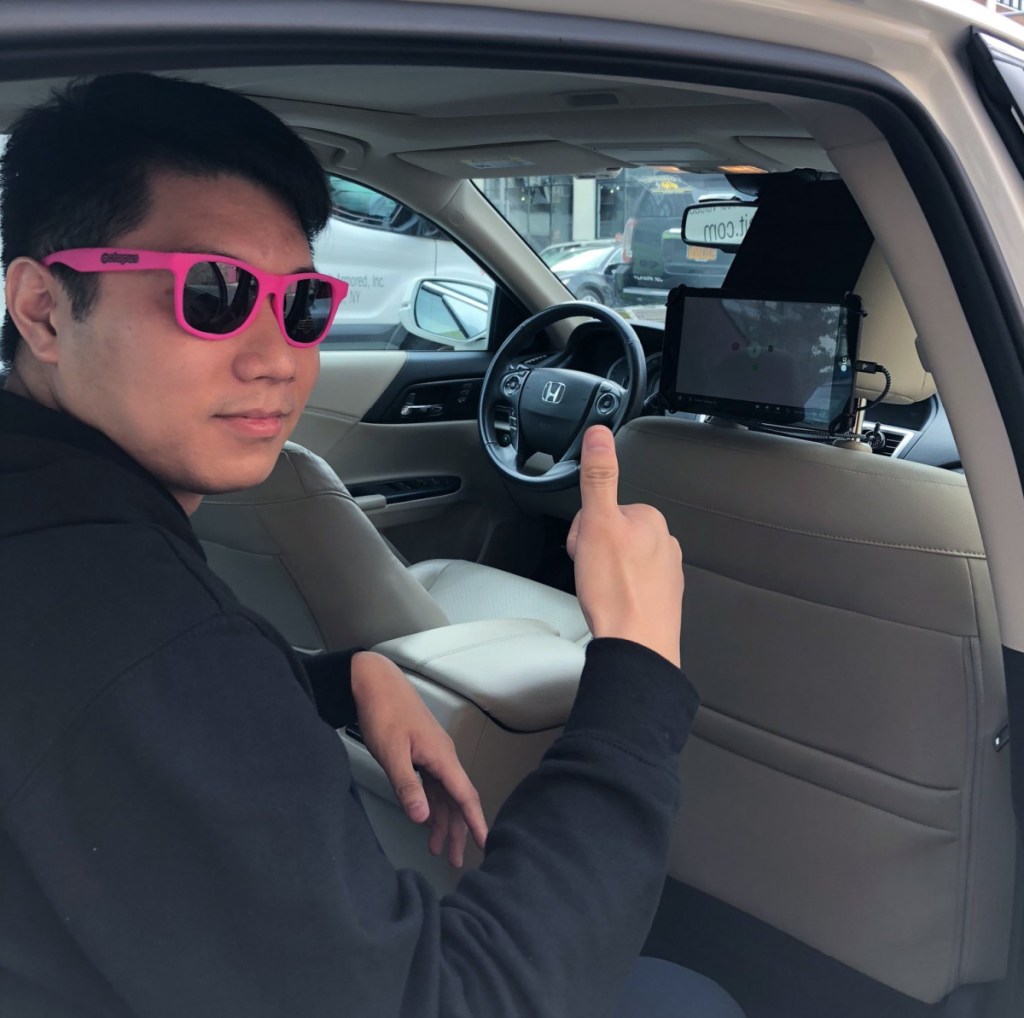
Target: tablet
758, 357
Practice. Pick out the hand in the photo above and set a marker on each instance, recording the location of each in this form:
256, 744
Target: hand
403, 735
629, 576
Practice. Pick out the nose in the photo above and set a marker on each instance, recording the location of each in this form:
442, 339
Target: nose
262, 351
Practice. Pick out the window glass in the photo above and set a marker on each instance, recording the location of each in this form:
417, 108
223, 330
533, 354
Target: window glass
385, 251
574, 223
360, 204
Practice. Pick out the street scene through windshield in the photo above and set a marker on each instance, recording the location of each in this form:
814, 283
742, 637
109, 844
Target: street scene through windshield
616, 239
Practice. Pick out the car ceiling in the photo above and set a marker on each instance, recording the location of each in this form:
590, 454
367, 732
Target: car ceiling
465, 122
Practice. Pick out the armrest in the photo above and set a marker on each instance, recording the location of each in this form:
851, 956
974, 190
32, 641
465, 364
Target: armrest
517, 671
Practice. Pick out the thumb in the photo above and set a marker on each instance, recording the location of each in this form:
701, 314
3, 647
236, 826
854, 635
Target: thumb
599, 471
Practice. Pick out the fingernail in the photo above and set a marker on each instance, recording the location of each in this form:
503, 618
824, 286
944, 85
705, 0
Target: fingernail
597, 437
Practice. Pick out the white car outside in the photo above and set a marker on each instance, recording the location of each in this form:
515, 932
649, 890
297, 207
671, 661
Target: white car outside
382, 249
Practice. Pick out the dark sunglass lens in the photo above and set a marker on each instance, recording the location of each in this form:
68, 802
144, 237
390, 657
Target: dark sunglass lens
307, 309
217, 297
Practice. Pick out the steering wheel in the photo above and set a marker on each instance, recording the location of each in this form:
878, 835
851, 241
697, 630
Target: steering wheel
549, 408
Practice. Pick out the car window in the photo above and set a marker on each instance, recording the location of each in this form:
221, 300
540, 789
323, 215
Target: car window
359, 203
385, 252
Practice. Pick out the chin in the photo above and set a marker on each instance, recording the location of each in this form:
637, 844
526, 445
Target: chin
237, 481
234, 476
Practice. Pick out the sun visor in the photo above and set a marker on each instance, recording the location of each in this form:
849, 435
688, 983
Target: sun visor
790, 152
525, 159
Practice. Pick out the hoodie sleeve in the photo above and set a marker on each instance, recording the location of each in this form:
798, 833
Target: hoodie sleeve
330, 676
198, 836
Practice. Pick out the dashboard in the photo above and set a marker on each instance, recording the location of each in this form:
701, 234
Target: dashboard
619, 372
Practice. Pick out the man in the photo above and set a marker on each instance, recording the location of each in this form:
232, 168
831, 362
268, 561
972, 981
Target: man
179, 834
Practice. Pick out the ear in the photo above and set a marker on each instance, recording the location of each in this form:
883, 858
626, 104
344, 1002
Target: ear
33, 295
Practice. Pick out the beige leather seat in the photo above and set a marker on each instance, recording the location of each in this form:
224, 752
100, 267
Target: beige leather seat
299, 550
842, 783
471, 592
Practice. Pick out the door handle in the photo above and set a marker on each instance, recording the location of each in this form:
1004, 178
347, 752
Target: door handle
422, 409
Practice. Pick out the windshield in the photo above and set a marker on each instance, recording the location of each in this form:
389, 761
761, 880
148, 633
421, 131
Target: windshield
579, 261
639, 208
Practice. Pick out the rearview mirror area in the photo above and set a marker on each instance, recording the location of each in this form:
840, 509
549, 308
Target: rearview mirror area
718, 224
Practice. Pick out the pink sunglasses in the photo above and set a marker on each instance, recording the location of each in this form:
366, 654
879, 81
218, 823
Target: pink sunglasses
217, 297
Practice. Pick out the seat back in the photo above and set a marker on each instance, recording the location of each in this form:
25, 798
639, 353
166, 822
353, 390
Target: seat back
842, 781
299, 550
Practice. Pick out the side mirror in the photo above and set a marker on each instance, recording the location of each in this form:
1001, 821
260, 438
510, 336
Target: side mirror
453, 312
718, 224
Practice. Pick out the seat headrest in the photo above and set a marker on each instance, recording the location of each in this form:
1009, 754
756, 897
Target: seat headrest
888, 337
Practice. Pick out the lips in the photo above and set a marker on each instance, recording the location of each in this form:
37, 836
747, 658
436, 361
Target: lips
255, 423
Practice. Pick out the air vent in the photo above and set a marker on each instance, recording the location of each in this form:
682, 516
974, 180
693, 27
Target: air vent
895, 438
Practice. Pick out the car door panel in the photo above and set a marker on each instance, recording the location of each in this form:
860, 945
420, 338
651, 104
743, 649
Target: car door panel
354, 420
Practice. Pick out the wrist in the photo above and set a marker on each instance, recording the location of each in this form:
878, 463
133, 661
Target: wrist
365, 673
663, 639
370, 671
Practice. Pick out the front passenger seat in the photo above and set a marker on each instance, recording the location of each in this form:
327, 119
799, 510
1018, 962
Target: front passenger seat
843, 781
299, 550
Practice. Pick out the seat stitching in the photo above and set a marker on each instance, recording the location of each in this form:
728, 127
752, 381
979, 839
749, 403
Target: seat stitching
694, 563
438, 575
280, 499
964, 553
818, 749
423, 662
825, 788
761, 454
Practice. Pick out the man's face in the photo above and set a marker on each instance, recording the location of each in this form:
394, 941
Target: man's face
203, 416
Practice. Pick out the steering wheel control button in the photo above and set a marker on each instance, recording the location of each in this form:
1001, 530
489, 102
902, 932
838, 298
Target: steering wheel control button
607, 403
511, 384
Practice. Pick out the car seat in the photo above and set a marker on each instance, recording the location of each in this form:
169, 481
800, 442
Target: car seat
843, 781
299, 550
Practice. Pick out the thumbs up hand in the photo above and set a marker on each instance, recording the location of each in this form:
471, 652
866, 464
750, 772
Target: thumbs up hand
629, 576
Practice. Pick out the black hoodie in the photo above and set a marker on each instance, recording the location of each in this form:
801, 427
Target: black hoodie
179, 832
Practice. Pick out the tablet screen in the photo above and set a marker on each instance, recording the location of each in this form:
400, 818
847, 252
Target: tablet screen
786, 361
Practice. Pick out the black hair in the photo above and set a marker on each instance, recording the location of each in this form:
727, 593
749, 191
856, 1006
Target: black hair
76, 169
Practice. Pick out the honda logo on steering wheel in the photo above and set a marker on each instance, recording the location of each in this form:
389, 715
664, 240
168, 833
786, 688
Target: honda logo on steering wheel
553, 392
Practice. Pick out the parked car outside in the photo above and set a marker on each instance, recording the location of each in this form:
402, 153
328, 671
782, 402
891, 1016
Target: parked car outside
382, 249
587, 273
556, 252
654, 256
